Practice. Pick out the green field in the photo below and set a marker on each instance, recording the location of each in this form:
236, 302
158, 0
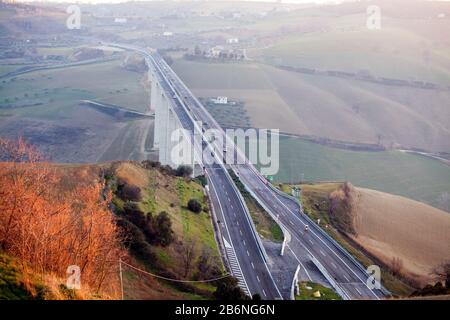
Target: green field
61, 89
408, 175
365, 50
44, 107
323, 106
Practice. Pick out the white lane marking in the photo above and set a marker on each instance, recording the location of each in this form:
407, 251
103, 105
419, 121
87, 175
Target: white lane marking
310, 241
243, 242
301, 264
264, 293
348, 267
356, 288
257, 278
346, 278
248, 253
240, 231
253, 266
229, 237
237, 222
227, 245
290, 221
322, 253
334, 266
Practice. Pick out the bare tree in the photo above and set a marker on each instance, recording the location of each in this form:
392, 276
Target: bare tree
396, 266
442, 273
187, 249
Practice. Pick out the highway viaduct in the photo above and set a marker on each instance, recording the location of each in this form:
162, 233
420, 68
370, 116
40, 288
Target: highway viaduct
177, 108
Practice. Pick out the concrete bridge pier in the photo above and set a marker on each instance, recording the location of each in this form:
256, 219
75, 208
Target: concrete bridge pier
166, 122
155, 105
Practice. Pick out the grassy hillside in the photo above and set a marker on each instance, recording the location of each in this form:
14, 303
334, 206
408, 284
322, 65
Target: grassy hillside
11, 284
409, 239
162, 191
159, 191
37, 287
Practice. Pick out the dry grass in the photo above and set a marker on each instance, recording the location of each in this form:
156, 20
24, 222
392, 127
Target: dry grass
397, 229
133, 174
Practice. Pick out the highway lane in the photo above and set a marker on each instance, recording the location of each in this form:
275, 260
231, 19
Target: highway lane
350, 278
236, 230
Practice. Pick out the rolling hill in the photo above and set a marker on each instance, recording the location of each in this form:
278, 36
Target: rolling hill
406, 238
392, 227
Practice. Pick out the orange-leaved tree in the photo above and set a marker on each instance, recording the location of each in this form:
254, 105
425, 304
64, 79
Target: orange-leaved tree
48, 229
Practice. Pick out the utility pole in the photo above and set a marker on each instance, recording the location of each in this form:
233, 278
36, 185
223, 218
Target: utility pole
121, 279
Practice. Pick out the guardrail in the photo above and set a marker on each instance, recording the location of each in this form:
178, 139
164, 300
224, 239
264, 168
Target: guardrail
326, 235
248, 216
330, 279
294, 282
218, 235
286, 234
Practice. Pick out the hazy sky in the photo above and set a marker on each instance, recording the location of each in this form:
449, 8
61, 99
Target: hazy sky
117, 1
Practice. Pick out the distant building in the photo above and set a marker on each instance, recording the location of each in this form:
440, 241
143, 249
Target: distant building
120, 20
233, 40
220, 100
167, 34
215, 51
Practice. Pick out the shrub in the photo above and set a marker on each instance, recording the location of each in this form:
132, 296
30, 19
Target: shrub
194, 205
183, 171
147, 164
228, 289
341, 206
128, 192
201, 180
163, 229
